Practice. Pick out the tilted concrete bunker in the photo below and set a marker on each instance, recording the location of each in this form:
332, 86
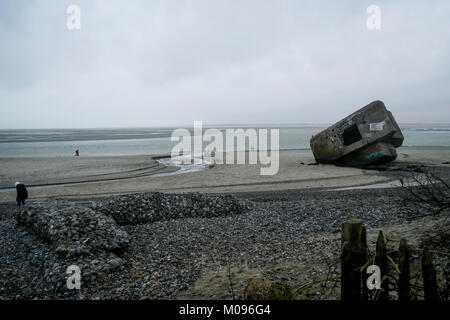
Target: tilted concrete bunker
368, 136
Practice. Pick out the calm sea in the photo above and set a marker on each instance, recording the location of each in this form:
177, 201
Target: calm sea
150, 141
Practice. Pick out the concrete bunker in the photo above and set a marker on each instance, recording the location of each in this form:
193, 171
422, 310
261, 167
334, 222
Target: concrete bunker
368, 136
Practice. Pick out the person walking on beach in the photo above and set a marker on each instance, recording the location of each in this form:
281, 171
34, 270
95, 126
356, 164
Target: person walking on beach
77, 153
22, 193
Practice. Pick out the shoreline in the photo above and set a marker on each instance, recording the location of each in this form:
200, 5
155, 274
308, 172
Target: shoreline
157, 170
104, 176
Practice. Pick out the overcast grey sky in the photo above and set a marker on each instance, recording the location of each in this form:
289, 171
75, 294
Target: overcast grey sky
164, 63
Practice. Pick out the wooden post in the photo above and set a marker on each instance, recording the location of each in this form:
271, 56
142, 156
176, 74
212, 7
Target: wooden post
403, 265
382, 262
364, 262
354, 256
347, 291
429, 277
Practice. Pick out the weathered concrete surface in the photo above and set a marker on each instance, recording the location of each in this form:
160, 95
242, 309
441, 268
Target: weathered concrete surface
367, 136
377, 153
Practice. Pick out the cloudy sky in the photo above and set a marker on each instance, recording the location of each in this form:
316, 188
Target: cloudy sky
168, 63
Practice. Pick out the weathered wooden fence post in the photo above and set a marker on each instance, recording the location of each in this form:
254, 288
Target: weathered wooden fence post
429, 277
403, 265
354, 257
382, 262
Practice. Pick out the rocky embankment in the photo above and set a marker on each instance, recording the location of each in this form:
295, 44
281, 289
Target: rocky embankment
156, 206
90, 236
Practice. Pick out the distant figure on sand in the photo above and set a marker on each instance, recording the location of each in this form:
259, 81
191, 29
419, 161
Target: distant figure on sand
22, 193
77, 153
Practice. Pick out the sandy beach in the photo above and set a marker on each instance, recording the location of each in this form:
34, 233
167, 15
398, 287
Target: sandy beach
104, 176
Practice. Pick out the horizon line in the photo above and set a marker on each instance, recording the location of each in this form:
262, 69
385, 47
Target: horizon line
233, 125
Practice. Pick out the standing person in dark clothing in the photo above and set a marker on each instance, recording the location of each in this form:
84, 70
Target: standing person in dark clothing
22, 193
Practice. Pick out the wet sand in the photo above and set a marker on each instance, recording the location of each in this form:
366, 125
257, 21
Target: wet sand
104, 176
66, 170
